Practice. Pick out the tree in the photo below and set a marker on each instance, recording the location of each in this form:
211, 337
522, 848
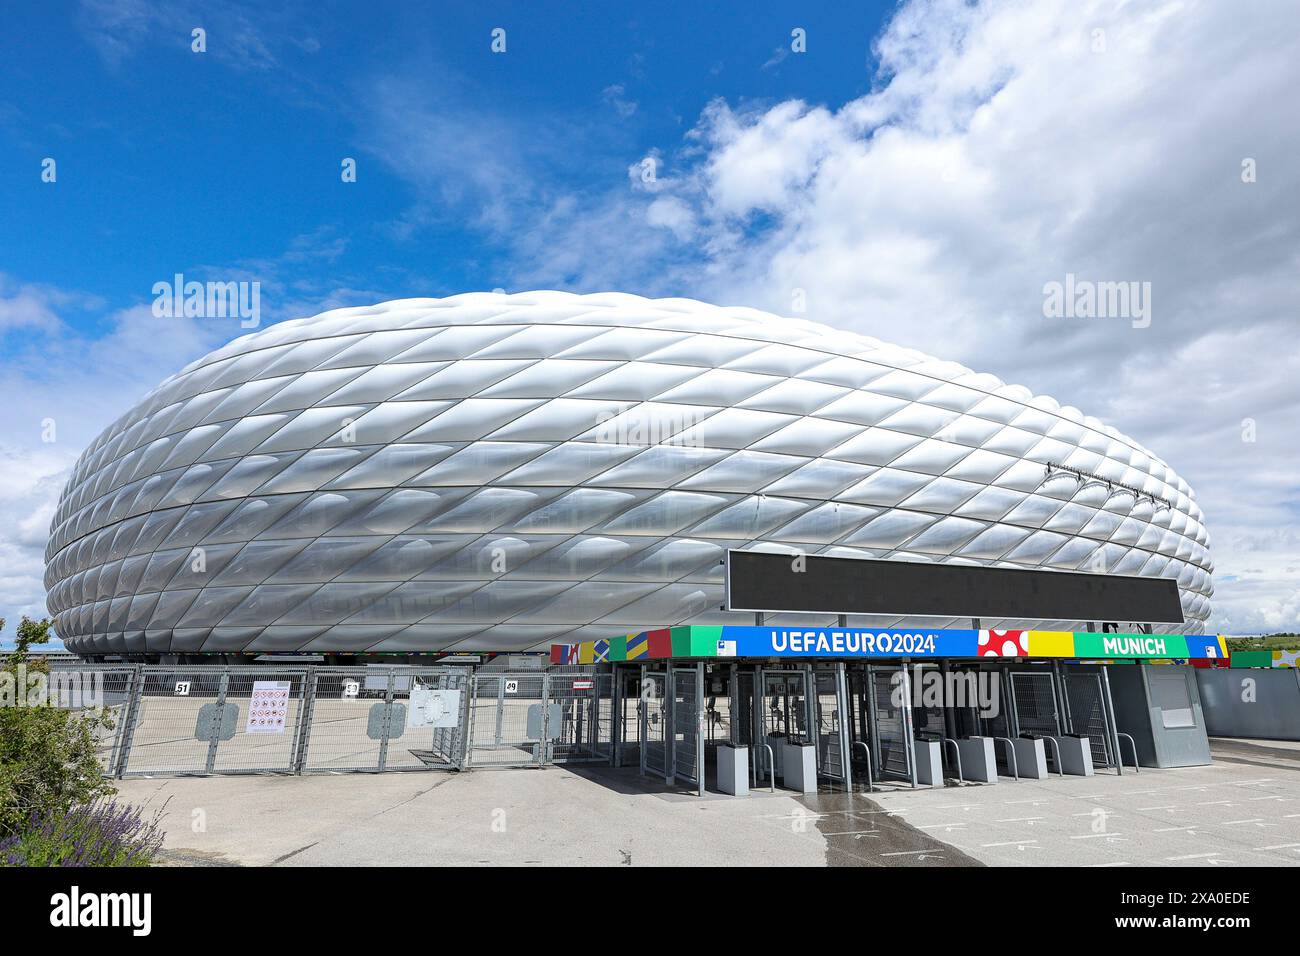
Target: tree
29, 632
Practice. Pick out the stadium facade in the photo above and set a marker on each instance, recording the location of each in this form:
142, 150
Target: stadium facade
504, 472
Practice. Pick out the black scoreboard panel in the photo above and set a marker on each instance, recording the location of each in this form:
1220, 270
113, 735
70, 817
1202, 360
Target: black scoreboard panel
757, 581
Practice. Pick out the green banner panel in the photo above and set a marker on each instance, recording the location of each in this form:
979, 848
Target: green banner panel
1129, 645
1252, 658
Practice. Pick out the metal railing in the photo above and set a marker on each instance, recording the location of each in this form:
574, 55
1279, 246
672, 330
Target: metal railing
170, 720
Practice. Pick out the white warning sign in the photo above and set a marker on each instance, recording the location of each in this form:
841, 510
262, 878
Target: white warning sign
268, 707
433, 708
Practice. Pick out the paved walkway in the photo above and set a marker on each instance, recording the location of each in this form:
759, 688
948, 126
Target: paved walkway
1243, 810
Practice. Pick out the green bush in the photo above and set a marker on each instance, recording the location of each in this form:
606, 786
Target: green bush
48, 761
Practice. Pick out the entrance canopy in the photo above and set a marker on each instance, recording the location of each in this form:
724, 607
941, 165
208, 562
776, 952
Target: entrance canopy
696, 641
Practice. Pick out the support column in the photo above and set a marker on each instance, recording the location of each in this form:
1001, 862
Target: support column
642, 722
616, 709
812, 729
699, 728
872, 726
1110, 714
845, 714
1064, 720
670, 724
949, 718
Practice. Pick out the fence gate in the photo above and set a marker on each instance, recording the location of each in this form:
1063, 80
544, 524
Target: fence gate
654, 723
398, 718
584, 706
688, 742
508, 720
1088, 715
213, 719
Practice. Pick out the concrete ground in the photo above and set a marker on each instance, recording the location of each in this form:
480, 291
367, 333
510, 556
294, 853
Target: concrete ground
1243, 810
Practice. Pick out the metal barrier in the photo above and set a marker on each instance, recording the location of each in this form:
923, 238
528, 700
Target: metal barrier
385, 719
956, 752
1011, 756
1132, 743
1056, 754
871, 786
771, 769
231, 719
211, 719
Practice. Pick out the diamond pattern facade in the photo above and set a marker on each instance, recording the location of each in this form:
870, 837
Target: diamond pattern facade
501, 472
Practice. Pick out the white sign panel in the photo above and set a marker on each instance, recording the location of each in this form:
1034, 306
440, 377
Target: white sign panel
268, 707
512, 687
433, 708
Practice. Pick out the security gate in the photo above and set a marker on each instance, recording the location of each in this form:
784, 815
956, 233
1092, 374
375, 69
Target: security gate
654, 723
627, 717
584, 704
832, 731
1089, 715
1033, 697
687, 685
783, 715
891, 753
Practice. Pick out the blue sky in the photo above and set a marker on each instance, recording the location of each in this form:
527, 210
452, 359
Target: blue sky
918, 174
173, 160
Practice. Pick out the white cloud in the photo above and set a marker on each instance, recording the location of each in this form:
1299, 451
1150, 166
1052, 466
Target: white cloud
60, 388
243, 39
1002, 147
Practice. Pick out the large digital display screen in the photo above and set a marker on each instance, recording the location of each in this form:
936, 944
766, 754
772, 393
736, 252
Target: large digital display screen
758, 581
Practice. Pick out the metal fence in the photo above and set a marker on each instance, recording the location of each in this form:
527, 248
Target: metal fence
216, 719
